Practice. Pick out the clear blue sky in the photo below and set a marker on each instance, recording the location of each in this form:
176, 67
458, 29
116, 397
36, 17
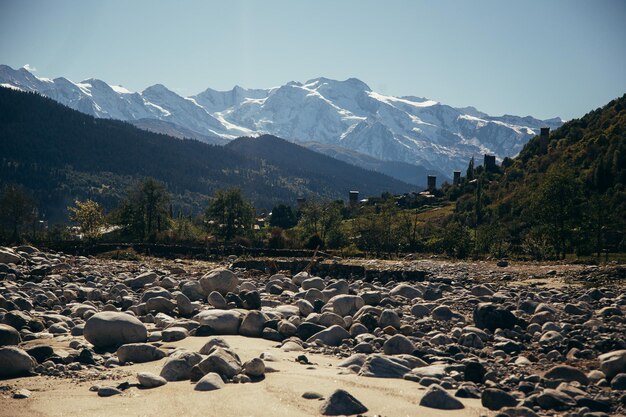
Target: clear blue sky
538, 57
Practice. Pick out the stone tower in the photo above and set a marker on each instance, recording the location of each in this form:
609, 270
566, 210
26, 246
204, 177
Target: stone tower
457, 178
432, 183
354, 198
544, 139
490, 163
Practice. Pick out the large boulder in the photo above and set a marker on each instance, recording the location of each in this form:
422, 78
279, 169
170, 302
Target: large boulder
8, 256
112, 328
221, 321
389, 318
619, 382
149, 380
567, 373
551, 399
442, 313
344, 304
212, 343
185, 307
252, 324
254, 368
160, 305
613, 363
406, 291
398, 344
17, 319
174, 334
489, 316
495, 399
9, 335
209, 382
342, 403
331, 336
438, 398
328, 319
299, 278
15, 362
307, 329
139, 353
217, 300
380, 366
436, 370
179, 365
192, 290
220, 280
141, 280
155, 292
315, 282
358, 359
221, 361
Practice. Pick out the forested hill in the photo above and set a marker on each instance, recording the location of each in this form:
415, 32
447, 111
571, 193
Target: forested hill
60, 154
569, 191
592, 150
310, 164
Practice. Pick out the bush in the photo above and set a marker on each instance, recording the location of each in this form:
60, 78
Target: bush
536, 245
277, 239
314, 242
456, 240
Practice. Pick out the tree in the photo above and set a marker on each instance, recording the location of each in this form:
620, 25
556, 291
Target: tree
493, 239
381, 229
145, 209
16, 209
322, 219
470, 170
283, 217
456, 240
229, 214
277, 239
600, 222
90, 218
409, 225
557, 208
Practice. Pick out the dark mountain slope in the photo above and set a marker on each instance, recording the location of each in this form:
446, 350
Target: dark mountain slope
174, 130
409, 173
61, 154
321, 169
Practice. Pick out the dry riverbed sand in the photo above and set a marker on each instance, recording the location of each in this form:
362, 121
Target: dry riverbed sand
508, 339
279, 394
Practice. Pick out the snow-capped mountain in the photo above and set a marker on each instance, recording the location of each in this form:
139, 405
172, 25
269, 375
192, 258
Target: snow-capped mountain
346, 114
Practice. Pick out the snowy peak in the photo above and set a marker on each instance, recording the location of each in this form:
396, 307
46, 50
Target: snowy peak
344, 114
353, 84
216, 101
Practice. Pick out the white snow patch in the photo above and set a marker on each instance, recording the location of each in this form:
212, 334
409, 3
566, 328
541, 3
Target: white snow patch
159, 108
120, 90
11, 86
391, 100
84, 87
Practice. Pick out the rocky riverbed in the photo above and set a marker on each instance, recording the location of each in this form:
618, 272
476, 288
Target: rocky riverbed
95, 336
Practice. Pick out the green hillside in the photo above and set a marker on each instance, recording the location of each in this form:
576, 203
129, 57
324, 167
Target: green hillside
567, 194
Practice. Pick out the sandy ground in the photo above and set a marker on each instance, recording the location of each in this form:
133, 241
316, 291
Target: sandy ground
279, 394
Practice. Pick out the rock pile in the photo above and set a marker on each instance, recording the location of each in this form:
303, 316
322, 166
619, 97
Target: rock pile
523, 351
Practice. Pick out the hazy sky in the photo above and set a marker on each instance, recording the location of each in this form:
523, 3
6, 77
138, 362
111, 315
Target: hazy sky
538, 57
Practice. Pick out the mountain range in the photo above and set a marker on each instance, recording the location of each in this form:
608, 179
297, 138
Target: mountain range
344, 119
60, 155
